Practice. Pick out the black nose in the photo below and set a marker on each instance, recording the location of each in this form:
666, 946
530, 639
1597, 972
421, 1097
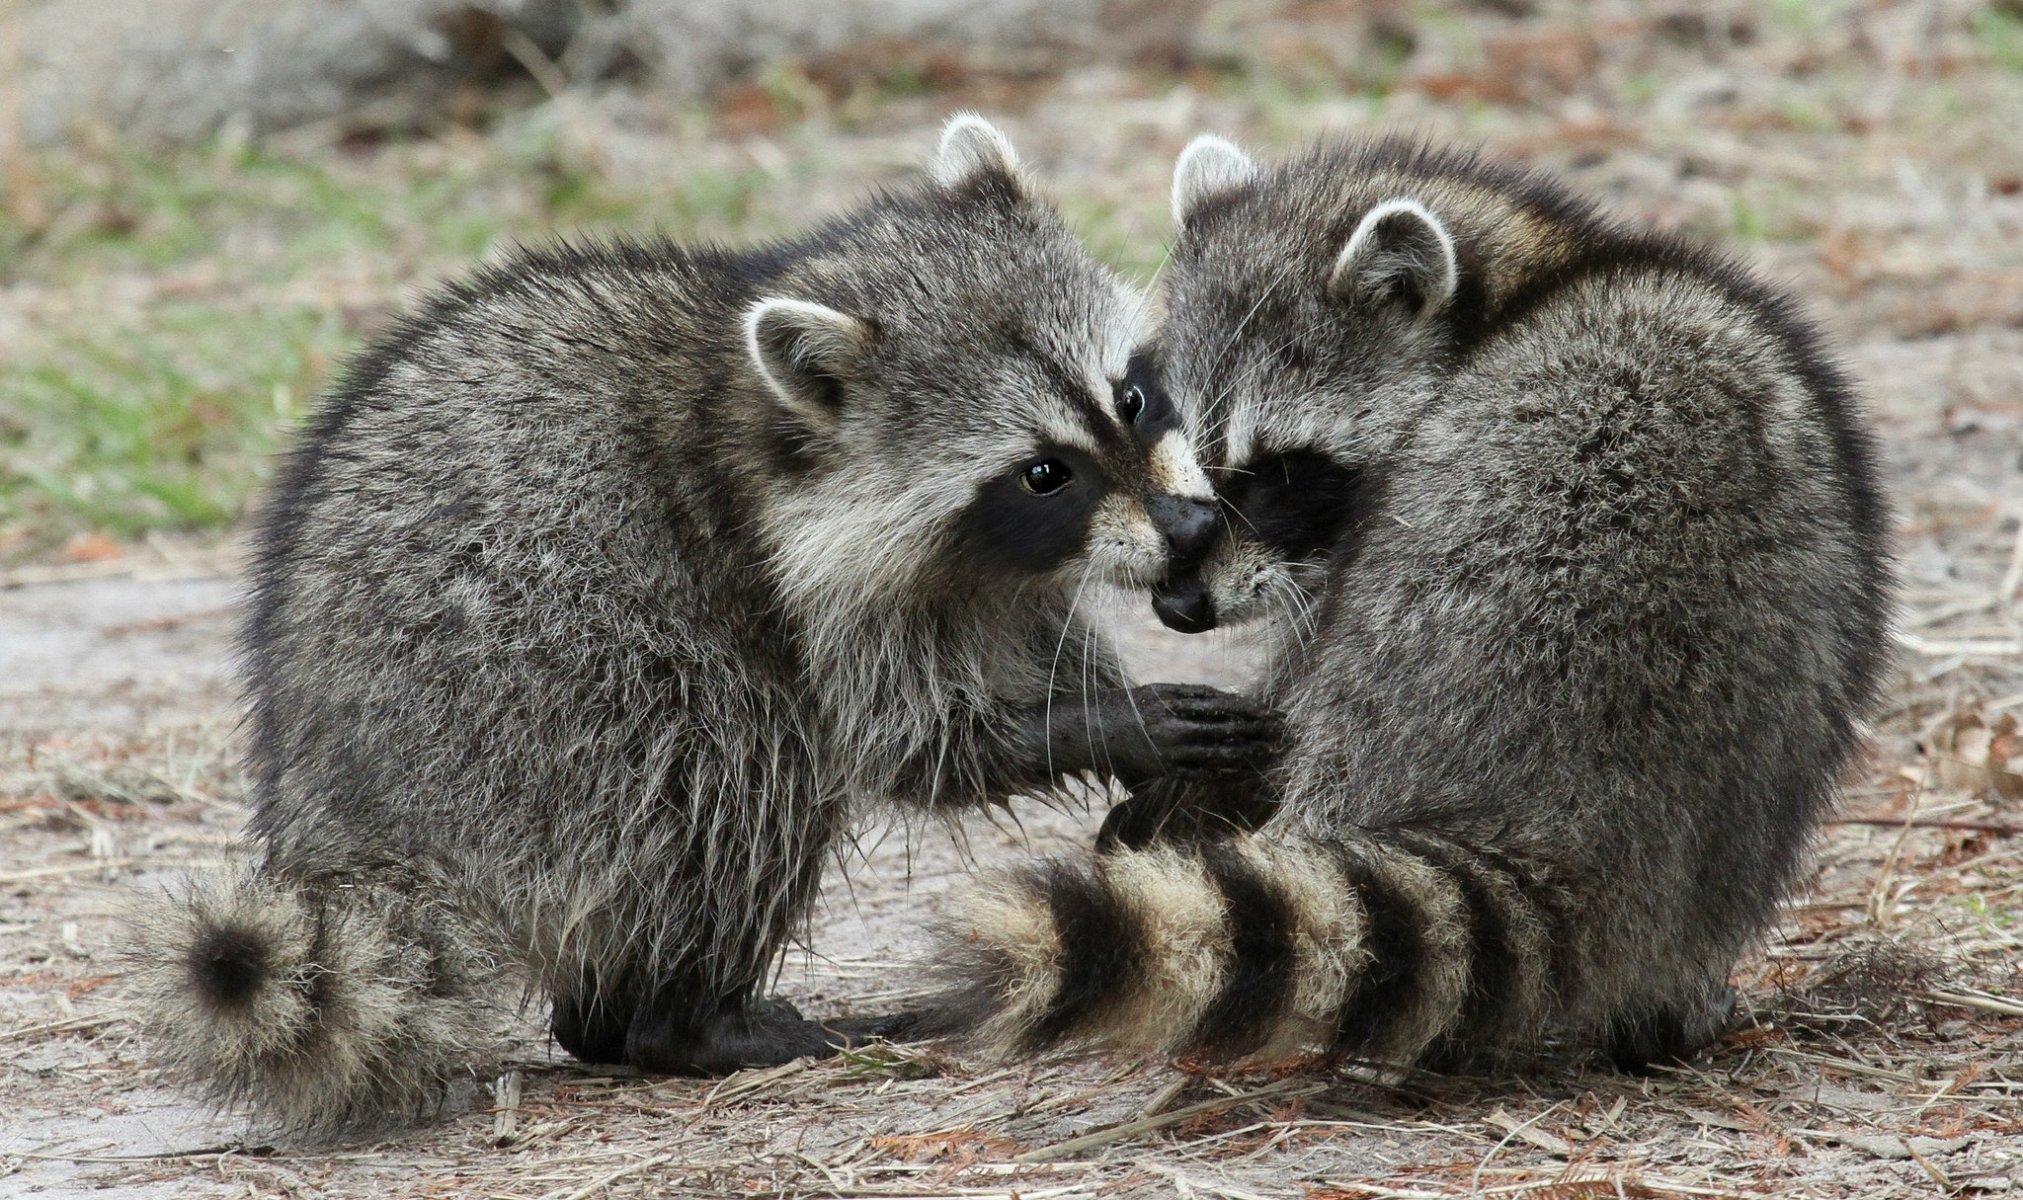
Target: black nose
1184, 605
1191, 526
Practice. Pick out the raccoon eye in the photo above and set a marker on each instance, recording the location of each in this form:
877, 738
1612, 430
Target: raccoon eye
1132, 404
1045, 477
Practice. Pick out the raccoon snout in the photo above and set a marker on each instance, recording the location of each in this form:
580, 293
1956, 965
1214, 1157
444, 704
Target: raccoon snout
1183, 604
1189, 526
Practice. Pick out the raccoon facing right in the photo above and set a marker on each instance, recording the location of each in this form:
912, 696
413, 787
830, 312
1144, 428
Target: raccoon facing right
617, 582
1578, 550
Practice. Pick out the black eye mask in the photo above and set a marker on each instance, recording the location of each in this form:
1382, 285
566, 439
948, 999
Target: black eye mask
1013, 527
1157, 414
1299, 502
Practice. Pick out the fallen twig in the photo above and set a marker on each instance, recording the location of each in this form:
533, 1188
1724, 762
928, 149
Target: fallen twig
599, 1184
1993, 1004
1285, 1089
67, 1025
1999, 828
1972, 647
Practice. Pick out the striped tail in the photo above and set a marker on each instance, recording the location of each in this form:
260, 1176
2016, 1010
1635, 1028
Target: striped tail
1386, 946
322, 1009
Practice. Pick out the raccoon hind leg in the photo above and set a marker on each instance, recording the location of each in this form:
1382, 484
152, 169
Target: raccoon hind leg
591, 1022
678, 1035
1669, 1035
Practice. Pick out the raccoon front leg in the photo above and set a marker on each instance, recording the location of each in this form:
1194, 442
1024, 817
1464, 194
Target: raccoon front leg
1157, 731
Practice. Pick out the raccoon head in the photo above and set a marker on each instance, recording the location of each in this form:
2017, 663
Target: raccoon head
1304, 321
960, 403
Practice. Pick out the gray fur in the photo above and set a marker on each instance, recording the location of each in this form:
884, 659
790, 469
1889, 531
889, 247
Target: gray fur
606, 593
1574, 664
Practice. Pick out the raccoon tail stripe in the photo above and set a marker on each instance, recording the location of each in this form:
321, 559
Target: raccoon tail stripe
323, 1010
1387, 946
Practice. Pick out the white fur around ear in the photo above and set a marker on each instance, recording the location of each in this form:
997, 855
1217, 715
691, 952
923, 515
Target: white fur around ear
969, 146
806, 353
1399, 251
1208, 167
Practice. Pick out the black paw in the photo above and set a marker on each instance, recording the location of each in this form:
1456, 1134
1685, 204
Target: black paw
846, 1032
591, 1028
1670, 1036
675, 1040
1202, 733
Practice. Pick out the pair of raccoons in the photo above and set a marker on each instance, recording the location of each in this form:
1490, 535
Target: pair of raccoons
610, 589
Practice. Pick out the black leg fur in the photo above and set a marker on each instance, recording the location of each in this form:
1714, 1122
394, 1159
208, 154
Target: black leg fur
1669, 1036
591, 1026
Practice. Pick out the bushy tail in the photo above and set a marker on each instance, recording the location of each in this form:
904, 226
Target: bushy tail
321, 1009
1385, 946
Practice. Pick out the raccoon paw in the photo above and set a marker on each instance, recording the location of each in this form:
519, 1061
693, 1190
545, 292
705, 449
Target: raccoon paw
849, 1032
760, 1033
1200, 733
593, 1030
1670, 1035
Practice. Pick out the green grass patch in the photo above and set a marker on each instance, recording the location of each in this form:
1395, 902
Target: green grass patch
169, 426
1125, 239
265, 217
1640, 89
240, 275
2000, 33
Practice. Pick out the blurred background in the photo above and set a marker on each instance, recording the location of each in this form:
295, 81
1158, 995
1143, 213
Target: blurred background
207, 203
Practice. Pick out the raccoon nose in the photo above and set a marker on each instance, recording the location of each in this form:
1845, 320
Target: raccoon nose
1190, 526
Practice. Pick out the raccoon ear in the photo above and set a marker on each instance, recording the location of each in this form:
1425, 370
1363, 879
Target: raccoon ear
1208, 167
1399, 252
806, 353
971, 146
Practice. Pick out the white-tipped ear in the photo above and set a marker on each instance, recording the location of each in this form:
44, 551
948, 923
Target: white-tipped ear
807, 353
970, 146
1400, 252
1208, 167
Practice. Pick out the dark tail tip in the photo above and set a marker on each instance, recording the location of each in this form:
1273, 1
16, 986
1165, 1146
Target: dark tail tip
227, 965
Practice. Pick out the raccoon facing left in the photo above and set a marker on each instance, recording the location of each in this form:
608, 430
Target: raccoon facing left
609, 589
1578, 552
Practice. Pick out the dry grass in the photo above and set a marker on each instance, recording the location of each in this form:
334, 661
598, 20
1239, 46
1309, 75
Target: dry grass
1868, 153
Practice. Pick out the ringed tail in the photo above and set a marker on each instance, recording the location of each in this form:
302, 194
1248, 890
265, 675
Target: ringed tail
1381, 945
320, 1009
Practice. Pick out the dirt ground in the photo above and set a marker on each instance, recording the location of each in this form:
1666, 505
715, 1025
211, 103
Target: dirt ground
1869, 154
